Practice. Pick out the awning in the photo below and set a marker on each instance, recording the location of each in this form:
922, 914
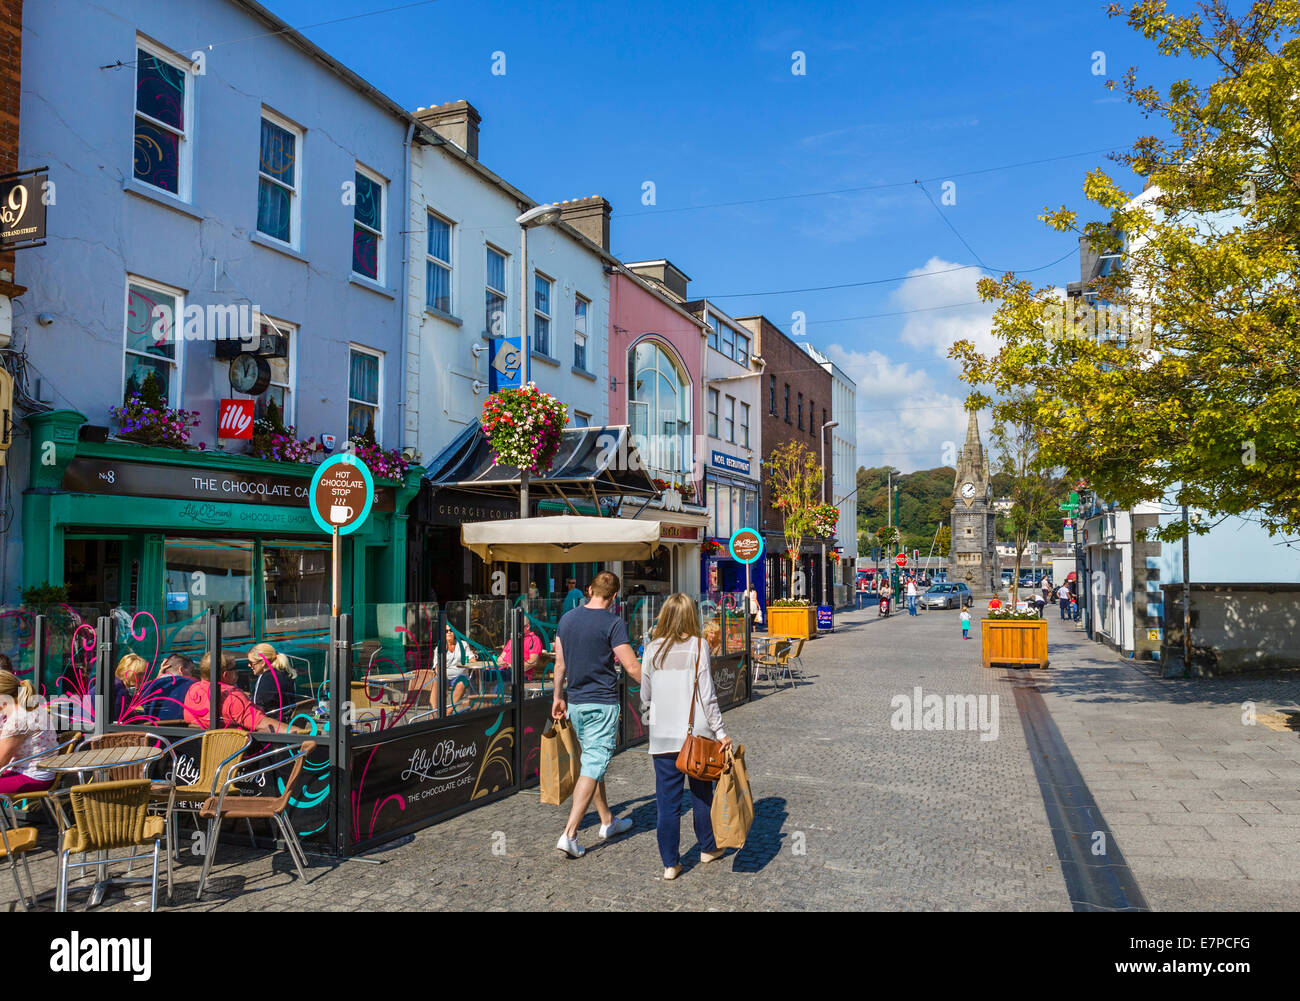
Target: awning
561, 538
591, 464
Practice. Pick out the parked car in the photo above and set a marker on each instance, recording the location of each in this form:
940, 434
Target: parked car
947, 596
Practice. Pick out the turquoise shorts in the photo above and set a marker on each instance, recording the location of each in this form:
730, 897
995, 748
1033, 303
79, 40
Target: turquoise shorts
597, 730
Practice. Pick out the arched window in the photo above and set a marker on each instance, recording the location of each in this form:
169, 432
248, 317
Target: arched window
659, 408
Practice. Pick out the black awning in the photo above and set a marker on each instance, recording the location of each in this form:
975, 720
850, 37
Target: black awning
590, 464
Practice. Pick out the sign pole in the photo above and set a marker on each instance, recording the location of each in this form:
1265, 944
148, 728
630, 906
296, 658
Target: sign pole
337, 589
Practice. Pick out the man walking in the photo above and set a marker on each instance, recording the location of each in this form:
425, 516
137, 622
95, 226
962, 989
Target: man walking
1047, 589
587, 642
1063, 596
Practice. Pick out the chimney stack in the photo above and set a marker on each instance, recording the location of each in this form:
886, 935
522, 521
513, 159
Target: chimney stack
590, 217
455, 121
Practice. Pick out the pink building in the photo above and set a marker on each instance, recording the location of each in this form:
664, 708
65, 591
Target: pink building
656, 368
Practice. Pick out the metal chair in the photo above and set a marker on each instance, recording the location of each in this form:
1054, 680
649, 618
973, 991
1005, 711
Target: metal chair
106, 816
219, 807
769, 663
793, 662
16, 841
48, 798
219, 751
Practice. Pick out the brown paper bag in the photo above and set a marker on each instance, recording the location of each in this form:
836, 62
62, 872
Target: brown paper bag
733, 803
561, 761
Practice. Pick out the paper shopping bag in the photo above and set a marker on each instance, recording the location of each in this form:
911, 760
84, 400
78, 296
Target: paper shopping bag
561, 761
733, 803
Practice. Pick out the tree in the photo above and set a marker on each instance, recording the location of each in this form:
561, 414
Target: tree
943, 541
1016, 442
796, 483
1182, 382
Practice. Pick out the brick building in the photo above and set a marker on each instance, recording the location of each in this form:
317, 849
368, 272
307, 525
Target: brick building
795, 400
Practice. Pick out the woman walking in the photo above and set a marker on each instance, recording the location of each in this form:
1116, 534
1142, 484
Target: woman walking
675, 677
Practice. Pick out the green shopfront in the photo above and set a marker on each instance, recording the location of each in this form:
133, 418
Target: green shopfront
176, 533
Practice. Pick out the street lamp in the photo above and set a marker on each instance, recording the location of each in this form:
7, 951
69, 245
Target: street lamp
825, 428
540, 215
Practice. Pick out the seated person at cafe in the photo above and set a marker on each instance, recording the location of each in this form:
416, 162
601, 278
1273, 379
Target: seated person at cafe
273, 679
713, 637
25, 730
236, 709
130, 672
163, 698
532, 651
457, 675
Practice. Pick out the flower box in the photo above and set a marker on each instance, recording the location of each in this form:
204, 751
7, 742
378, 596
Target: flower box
795, 621
1014, 642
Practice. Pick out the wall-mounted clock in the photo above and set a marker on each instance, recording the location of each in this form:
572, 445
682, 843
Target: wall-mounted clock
250, 374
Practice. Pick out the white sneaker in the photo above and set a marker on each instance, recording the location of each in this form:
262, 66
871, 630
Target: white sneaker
570, 847
620, 826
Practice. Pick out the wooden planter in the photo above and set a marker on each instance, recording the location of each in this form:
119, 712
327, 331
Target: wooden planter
795, 621
1014, 642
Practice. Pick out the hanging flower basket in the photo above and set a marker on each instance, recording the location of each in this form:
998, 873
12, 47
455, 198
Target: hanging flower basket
523, 427
710, 547
825, 518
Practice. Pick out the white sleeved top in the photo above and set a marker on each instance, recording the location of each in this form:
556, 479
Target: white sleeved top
666, 693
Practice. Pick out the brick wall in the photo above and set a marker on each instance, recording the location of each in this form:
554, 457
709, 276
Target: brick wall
11, 58
791, 366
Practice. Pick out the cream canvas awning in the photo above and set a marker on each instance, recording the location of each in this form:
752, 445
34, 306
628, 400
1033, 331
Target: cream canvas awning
563, 538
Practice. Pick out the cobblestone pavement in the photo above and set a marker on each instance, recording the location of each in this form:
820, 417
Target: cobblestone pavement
852, 813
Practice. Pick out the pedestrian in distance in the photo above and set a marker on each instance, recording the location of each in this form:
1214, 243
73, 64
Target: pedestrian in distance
676, 677
965, 623
573, 599
911, 597
587, 643
1063, 597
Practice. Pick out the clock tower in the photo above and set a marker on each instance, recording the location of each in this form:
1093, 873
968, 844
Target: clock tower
972, 557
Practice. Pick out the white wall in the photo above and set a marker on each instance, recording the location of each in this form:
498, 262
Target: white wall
441, 367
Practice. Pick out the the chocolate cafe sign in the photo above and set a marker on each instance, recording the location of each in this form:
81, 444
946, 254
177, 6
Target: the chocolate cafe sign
144, 479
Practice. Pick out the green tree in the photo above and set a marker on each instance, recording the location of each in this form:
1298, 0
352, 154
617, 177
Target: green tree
1016, 443
1194, 395
795, 479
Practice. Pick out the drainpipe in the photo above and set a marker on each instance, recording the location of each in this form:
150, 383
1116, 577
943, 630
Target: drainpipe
405, 291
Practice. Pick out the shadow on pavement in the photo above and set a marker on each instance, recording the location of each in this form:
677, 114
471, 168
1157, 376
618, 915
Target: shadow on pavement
765, 836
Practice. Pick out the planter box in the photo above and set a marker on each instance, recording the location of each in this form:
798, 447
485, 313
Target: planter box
795, 621
1013, 642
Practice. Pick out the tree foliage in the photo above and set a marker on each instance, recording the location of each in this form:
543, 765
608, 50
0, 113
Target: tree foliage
1030, 482
1188, 389
795, 479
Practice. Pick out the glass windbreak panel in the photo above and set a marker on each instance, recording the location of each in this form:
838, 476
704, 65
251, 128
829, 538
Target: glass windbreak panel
68, 671
542, 618
157, 666
297, 582
209, 573
393, 678
477, 674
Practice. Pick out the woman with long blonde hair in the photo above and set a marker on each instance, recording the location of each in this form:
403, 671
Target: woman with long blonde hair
676, 656
273, 678
25, 731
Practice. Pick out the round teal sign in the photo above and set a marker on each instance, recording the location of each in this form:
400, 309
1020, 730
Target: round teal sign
341, 495
746, 545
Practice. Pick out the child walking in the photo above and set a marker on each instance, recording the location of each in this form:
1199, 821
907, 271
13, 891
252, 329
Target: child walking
965, 624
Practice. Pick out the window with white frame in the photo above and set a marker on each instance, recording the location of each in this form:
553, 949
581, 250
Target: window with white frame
365, 373
495, 293
541, 313
713, 413
368, 226
729, 421
164, 104
742, 348
278, 179
282, 372
437, 265
744, 424
151, 359
581, 420
581, 308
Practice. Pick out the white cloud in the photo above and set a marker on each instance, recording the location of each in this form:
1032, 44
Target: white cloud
936, 330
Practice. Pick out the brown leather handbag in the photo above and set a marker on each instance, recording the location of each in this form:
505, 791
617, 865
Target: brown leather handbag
700, 757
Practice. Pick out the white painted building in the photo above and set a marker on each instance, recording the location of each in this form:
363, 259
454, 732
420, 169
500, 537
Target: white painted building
842, 456
466, 286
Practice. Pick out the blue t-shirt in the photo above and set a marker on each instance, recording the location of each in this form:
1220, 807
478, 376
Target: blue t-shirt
588, 637
574, 599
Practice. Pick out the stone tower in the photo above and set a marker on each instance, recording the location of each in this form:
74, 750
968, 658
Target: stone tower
973, 555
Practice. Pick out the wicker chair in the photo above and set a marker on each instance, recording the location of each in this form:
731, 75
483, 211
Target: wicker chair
106, 816
17, 841
770, 663
219, 751
49, 798
221, 807
793, 663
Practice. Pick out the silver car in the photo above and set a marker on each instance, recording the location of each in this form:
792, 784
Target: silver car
947, 596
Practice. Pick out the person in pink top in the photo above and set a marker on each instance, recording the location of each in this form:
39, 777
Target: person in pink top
237, 710
532, 651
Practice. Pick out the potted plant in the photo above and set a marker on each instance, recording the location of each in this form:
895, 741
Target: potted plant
1016, 639
523, 426
273, 439
386, 464
146, 418
794, 617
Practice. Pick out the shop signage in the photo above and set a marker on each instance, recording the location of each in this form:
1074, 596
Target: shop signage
678, 532
825, 618
215, 486
731, 463
746, 545
341, 492
235, 419
22, 208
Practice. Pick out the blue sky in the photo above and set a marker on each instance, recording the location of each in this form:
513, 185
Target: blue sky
701, 100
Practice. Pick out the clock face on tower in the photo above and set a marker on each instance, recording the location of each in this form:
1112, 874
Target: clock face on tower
968, 492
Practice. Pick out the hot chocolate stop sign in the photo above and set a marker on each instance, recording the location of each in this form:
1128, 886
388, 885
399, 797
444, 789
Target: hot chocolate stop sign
342, 493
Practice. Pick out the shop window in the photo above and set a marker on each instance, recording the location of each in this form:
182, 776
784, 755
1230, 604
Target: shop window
297, 581
210, 574
368, 226
163, 109
152, 312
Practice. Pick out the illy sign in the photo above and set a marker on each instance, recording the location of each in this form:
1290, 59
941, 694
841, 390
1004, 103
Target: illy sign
235, 419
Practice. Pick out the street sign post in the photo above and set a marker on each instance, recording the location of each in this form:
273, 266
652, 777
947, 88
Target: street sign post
341, 495
901, 560
746, 546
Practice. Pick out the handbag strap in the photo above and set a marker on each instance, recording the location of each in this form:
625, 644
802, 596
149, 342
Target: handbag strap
695, 691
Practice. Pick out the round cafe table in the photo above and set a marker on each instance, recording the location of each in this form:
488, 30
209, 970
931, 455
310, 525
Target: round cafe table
91, 761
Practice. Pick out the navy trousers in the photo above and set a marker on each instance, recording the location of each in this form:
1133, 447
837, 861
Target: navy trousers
668, 799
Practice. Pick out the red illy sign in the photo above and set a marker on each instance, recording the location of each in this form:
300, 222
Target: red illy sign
235, 419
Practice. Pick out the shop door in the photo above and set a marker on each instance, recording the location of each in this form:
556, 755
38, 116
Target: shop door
92, 572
